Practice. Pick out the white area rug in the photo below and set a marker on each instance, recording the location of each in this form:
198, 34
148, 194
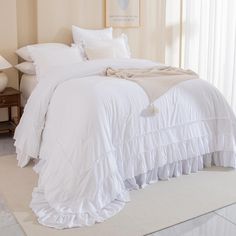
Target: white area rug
157, 206
6, 145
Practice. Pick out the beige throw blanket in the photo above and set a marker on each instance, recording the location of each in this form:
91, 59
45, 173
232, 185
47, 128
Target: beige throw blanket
155, 81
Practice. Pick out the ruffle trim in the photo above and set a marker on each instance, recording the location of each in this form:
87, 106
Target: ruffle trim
58, 218
61, 219
22, 158
167, 141
182, 167
160, 155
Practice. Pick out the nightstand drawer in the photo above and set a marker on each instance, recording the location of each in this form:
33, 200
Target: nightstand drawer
8, 100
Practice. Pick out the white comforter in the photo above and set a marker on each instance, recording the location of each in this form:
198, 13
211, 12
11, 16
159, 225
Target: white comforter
94, 144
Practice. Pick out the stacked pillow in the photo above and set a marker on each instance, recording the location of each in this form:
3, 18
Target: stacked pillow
88, 45
28, 67
46, 59
99, 44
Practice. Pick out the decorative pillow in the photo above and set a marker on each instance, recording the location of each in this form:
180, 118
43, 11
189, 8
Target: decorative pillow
24, 52
100, 52
26, 68
44, 59
112, 48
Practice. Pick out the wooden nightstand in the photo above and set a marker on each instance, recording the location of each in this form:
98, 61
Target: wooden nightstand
9, 98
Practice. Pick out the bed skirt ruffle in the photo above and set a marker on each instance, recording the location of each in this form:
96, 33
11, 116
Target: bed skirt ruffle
60, 219
183, 167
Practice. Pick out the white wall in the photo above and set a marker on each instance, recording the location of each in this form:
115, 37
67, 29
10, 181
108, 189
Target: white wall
146, 41
173, 31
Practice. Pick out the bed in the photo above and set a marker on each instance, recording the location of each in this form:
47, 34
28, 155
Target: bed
93, 145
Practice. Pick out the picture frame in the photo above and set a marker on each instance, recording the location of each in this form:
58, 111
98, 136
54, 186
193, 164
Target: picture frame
122, 13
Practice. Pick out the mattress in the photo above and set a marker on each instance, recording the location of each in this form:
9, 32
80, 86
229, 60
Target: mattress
27, 85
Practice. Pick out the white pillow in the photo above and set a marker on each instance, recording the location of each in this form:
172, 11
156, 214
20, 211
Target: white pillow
111, 48
82, 35
24, 52
26, 68
100, 53
45, 59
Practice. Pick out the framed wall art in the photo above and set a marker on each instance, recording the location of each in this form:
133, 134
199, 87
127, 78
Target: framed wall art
122, 13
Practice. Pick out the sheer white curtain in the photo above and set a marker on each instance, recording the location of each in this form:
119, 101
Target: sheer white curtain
210, 43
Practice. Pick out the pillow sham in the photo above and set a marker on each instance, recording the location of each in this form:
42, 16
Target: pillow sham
26, 68
45, 59
23, 52
112, 48
81, 35
100, 53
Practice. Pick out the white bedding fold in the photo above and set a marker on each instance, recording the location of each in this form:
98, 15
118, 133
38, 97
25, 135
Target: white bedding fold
28, 132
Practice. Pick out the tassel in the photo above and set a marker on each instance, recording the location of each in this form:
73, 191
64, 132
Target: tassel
151, 110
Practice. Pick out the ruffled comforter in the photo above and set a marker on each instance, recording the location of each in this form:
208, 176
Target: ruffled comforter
94, 144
